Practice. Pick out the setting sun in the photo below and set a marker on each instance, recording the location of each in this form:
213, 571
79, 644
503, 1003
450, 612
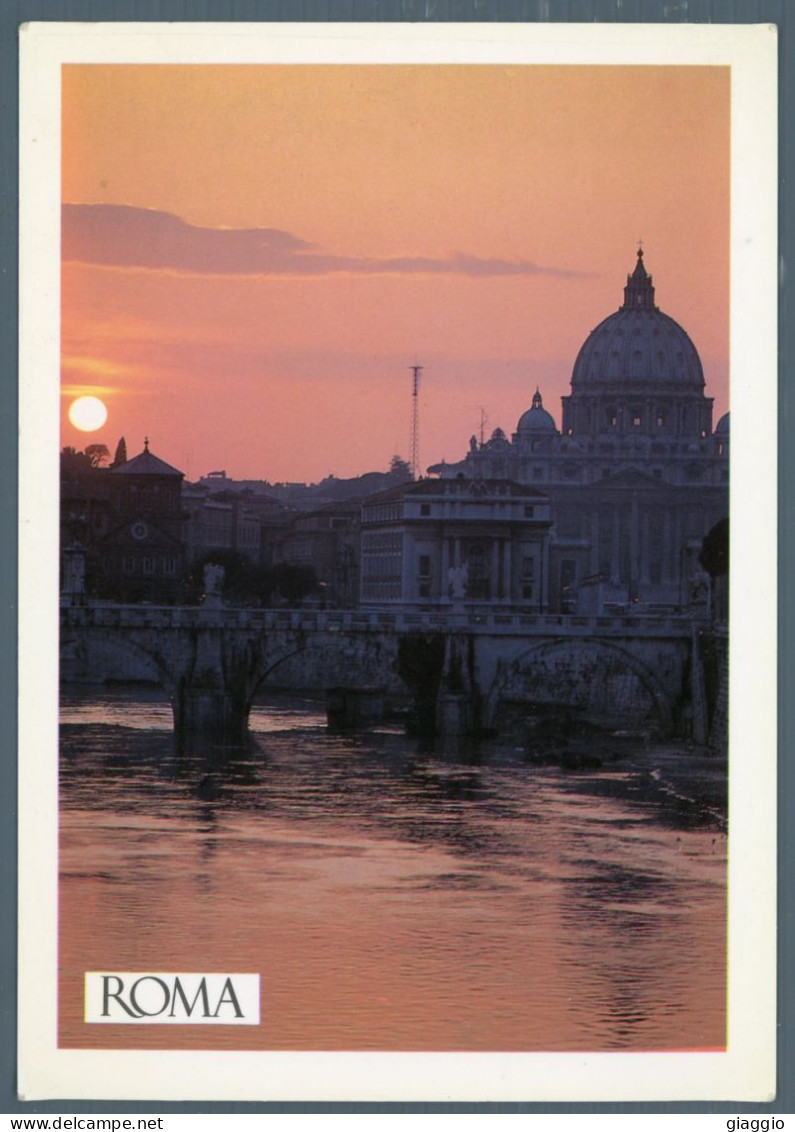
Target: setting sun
88, 413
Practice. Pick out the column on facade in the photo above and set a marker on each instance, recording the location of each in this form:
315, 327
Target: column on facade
444, 581
667, 573
615, 566
594, 568
506, 574
409, 569
543, 581
634, 549
645, 547
496, 583
679, 555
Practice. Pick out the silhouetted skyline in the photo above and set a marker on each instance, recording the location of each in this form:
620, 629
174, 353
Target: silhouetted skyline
254, 256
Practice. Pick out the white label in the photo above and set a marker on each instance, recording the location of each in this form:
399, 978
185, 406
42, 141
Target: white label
156, 998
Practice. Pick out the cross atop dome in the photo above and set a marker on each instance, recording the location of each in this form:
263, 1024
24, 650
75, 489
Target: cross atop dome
146, 464
639, 292
536, 419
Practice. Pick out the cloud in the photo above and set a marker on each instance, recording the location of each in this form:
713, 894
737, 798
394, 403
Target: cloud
118, 235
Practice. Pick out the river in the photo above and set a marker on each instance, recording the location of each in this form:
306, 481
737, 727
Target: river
392, 896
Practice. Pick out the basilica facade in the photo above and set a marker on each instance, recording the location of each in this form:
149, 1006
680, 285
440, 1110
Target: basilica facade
636, 475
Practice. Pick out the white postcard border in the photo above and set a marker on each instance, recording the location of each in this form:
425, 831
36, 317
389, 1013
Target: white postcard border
747, 1069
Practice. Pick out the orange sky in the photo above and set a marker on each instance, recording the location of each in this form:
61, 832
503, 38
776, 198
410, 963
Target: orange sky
293, 237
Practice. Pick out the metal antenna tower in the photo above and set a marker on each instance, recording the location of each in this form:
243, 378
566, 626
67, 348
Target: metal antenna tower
415, 420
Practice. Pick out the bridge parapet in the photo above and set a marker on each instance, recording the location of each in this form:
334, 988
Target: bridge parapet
473, 620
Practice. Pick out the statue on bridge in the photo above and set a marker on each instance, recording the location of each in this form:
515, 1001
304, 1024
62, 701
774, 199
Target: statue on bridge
699, 589
213, 584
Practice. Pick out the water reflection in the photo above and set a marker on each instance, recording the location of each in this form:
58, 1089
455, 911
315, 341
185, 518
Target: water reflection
392, 897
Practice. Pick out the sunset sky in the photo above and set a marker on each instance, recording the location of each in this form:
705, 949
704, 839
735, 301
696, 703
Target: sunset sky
254, 256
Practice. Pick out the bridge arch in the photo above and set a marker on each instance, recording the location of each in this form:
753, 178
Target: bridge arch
599, 678
83, 652
326, 662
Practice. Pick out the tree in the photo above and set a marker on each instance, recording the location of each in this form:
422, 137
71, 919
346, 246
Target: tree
292, 582
74, 463
400, 468
121, 454
714, 556
244, 581
97, 454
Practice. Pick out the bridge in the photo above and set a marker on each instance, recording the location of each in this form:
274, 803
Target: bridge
462, 669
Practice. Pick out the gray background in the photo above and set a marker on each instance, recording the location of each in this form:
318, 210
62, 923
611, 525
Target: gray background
14, 12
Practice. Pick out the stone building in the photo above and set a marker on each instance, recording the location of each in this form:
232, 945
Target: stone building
220, 521
208, 522
636, 477
440, 542
143, 550
326, 540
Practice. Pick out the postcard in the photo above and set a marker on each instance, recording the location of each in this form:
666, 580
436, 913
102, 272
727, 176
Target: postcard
390, 728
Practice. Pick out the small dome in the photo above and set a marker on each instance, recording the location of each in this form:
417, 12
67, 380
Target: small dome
722, 427
536, 419
146, 464
638, 345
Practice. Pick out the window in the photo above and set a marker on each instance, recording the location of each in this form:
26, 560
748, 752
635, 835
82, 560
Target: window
169, 565
425, 509
528, 567
149, 565
128, 565
529, 511
636, 420
425, 565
